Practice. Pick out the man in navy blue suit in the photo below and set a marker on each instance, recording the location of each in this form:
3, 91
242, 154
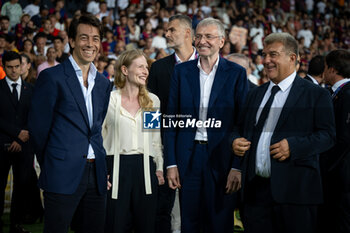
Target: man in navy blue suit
335, 163
69, 105
205, 95
287, 123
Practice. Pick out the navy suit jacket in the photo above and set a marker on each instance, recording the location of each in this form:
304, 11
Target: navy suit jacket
336, 161
59, 127
227, 95
159, 79
307, 122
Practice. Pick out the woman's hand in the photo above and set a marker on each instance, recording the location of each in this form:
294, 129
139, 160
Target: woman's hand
160, 177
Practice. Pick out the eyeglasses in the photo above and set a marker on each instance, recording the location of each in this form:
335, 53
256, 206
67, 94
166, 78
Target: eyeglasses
205, 37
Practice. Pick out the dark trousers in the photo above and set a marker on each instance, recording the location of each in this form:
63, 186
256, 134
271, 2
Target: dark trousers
133, 210
90, 205
22, 167
334, 213
165, 204
198, 198
263, 215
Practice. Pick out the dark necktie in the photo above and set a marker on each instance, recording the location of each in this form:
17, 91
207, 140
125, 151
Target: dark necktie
257, 132
14, 91
265, 112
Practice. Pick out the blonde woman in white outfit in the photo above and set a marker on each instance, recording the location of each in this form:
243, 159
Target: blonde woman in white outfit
135, 161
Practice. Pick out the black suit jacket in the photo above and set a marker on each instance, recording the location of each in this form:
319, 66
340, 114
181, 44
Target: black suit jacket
159, 79
307, 122
337, 160
13, 117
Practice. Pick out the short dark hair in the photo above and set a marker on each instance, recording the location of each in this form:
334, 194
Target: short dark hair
103, 58
10, 56
340, 61
316, 66
10, 38
88, 19
4, 17
57, 38
39, 35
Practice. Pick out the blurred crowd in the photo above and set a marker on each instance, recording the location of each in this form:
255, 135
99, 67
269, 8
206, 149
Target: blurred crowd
320, 26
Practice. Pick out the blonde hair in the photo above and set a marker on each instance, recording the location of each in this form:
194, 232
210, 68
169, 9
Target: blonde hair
125, 59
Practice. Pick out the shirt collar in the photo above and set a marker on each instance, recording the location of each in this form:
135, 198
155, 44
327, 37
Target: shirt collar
193, 56
285, 83
10, 82
214, 67
313, 79
78, 71
339, 83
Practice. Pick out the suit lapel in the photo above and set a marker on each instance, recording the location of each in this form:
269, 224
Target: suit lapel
171, 65
294, 94
219, 82
6, 88
24, 92
193, 79
75, 88
95, 101
253, 107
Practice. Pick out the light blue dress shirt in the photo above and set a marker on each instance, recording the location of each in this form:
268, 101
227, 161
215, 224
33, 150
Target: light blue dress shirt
87, 93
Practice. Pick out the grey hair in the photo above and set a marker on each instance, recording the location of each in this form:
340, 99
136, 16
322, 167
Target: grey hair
289, 42
212, 21
184, 21
239, 56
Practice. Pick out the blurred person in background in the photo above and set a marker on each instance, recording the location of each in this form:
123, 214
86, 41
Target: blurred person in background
14, 135
13, 10
316, 69
58, 46
335, 163
28, 49
51, 55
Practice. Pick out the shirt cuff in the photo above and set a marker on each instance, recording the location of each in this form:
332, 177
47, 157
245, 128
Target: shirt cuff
171, 166
235, 169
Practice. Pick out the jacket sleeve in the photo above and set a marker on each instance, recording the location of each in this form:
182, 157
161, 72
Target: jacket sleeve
42, 110
323, 136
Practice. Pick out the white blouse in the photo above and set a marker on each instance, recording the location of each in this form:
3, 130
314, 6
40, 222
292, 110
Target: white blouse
123, 134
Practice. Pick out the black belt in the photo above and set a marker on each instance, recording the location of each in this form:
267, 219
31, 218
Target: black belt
90, 160
202, 142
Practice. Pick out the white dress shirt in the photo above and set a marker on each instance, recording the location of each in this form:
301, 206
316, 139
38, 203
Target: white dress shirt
193, 56
87, 93
263, 162
18, 87
206, 83
339, 83
313, 79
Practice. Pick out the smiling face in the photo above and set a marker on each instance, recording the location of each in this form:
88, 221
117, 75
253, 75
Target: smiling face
86, 44
137, 73
208, 42
278, 63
